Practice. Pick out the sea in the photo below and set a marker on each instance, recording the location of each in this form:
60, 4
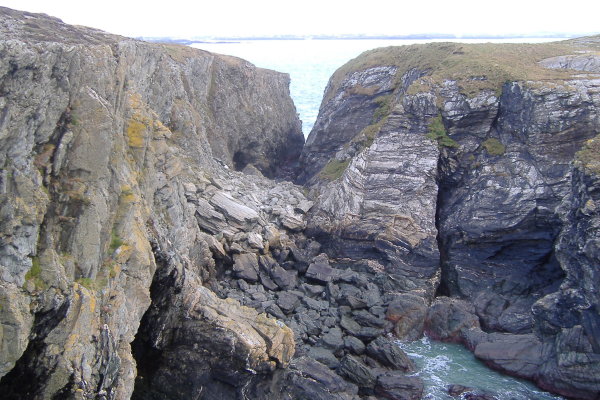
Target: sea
310, 64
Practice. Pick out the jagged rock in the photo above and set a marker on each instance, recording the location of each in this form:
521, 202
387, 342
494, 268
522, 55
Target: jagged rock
287, 301
389, 354
284, 279
519, 355
324, 356
355, 370
333, 339
112, 178
448, 318
354, 345
407, 311
350, 325
320, 270
246, 266
397, 386
307, 379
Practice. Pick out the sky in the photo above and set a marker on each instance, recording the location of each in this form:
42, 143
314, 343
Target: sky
201, 18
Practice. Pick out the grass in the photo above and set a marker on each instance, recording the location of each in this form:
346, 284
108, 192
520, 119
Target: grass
384, 107
589, 156
115, 242
35, 273
334, 169
87, 283
494, 147
437, 133
474, 67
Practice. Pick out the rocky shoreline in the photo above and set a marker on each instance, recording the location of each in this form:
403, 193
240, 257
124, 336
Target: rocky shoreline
152, 246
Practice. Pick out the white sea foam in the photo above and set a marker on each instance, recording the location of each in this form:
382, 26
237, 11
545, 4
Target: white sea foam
443, 364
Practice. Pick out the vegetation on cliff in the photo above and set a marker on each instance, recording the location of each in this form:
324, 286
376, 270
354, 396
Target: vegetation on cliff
589, 156
474, 67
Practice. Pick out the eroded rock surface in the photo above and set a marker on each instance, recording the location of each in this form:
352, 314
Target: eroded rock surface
457, 177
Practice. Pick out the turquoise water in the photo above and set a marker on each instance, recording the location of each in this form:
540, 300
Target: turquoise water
310, 63
441, 364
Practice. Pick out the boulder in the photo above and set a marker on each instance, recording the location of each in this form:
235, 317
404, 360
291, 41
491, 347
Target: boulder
287, 301
354, 345
448, 318
246, 266
357, 371
320, 271
324, 356
407, 311
388, 353
395, 385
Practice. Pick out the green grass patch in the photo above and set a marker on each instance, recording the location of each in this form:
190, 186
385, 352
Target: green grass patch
334, 169
474, 67
384, 107
437, 133
115, 241
87, 283
589, 156
35, 273
494, 147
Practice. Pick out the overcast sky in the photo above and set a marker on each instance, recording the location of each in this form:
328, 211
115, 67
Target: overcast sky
180, 18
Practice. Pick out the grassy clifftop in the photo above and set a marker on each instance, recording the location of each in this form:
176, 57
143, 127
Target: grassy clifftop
473, 66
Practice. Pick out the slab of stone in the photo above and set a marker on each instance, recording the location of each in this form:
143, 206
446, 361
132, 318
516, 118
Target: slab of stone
324, 356
395, 385
354, 345
333, 339
246, 266
357, 371
284, 279
320, 270
233, 209
287, 301
389, 354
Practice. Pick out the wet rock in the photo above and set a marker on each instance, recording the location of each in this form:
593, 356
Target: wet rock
407, 311
448, 318
519, 355
457, 390
388, 353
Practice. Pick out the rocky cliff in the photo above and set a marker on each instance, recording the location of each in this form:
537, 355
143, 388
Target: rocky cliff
118, 161
461, 169
146, 254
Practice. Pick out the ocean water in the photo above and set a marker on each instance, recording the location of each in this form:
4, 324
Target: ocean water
311, 63
442, 364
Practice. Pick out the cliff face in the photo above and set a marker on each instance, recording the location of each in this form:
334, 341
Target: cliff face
112, 151
451, 189
452, 166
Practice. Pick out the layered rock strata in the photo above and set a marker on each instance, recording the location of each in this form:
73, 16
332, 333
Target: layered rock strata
452, 166
112, 151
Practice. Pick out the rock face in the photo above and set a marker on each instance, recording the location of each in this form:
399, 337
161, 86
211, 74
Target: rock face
115, 157
146, 254
452, 167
